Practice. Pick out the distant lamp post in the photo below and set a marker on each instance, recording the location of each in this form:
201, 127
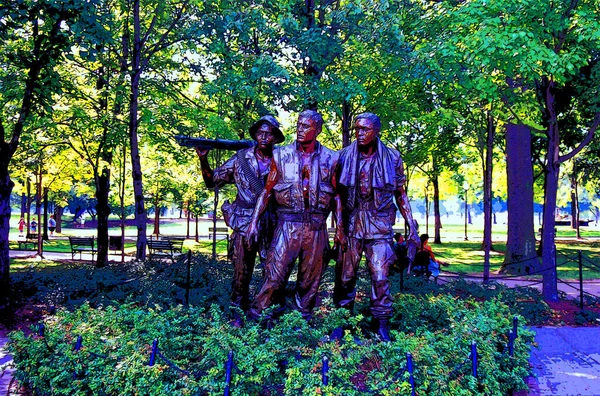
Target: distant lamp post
466, 188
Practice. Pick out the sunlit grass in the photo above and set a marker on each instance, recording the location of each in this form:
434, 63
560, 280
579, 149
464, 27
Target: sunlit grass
465, 257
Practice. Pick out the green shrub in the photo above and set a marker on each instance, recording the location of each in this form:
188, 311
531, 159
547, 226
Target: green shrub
585, 316
527, 302
150, 282
283, 359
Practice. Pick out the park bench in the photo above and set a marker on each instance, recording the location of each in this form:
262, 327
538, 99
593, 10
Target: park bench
30, 239
170, 248
221, 233
82, 245
177, 242
115, 243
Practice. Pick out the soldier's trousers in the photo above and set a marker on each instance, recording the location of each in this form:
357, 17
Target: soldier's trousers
380, 255
293, 240
243, 259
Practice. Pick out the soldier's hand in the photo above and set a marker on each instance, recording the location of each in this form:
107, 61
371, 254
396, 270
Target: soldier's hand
202, 152
251, 234
340, 239
411, 249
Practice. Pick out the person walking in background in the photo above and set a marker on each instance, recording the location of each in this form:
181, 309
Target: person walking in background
21, 226
51, 225
34, 226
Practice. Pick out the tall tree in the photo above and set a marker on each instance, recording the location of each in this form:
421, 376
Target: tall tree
33, 38
528, 49
92, 109
149, 31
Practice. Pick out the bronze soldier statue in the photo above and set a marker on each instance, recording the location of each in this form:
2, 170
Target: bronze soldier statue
370, 175
248, 169
302, 181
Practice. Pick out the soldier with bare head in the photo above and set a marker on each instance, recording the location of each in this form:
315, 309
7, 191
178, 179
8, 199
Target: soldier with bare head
370, 177
302, 182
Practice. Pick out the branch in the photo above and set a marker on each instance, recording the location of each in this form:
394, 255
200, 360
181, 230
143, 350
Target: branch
2, 133
79, 153
150, 28
563, 34
41, 61
162, 43
586, 140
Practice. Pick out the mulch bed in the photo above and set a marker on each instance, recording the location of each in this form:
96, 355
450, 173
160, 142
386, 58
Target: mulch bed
564, 313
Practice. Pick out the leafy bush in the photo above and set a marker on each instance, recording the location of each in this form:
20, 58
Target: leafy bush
525, 301
150, 282
285, 358
586, 316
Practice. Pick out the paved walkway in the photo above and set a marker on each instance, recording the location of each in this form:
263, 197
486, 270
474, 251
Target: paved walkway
570, 288
62, 256
567, 361
6, 372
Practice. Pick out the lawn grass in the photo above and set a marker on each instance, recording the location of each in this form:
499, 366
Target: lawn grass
465, 257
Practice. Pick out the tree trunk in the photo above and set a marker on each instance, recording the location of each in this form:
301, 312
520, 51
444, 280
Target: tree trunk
346, 124
156, 218
436, 209
196, 216
214, 235
136, 166
102, 211
552, 173
58, 213
29, 199
573, 200
122, 199
549, 276
487, 196
45, 235
187, 219
38, 204
6, 186
23, 204
520, 257
426, 211
578, 212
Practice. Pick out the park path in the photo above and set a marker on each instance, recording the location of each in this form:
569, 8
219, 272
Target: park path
566, 362
6, 371
570, 288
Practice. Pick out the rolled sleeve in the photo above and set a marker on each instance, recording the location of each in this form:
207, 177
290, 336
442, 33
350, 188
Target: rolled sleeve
224, 174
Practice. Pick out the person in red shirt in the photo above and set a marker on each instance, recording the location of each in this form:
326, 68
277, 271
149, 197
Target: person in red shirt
434, 264
21, 225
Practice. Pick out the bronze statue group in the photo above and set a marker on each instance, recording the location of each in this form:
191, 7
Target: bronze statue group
284, 197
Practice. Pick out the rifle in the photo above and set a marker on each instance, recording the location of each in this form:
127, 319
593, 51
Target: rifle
222, 144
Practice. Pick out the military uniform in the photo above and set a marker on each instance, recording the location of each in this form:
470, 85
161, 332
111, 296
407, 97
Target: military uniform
237, 216
304, 198
367, 185
248, 173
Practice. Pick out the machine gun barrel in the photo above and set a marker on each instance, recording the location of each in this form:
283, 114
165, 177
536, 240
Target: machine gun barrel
222, 144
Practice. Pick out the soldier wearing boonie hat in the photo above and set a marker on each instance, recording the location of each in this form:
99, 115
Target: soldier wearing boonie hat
247, 169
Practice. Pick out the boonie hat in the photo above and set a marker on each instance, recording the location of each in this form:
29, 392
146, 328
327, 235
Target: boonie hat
268, 119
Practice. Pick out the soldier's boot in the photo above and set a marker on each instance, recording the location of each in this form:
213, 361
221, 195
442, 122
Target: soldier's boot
383, 330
